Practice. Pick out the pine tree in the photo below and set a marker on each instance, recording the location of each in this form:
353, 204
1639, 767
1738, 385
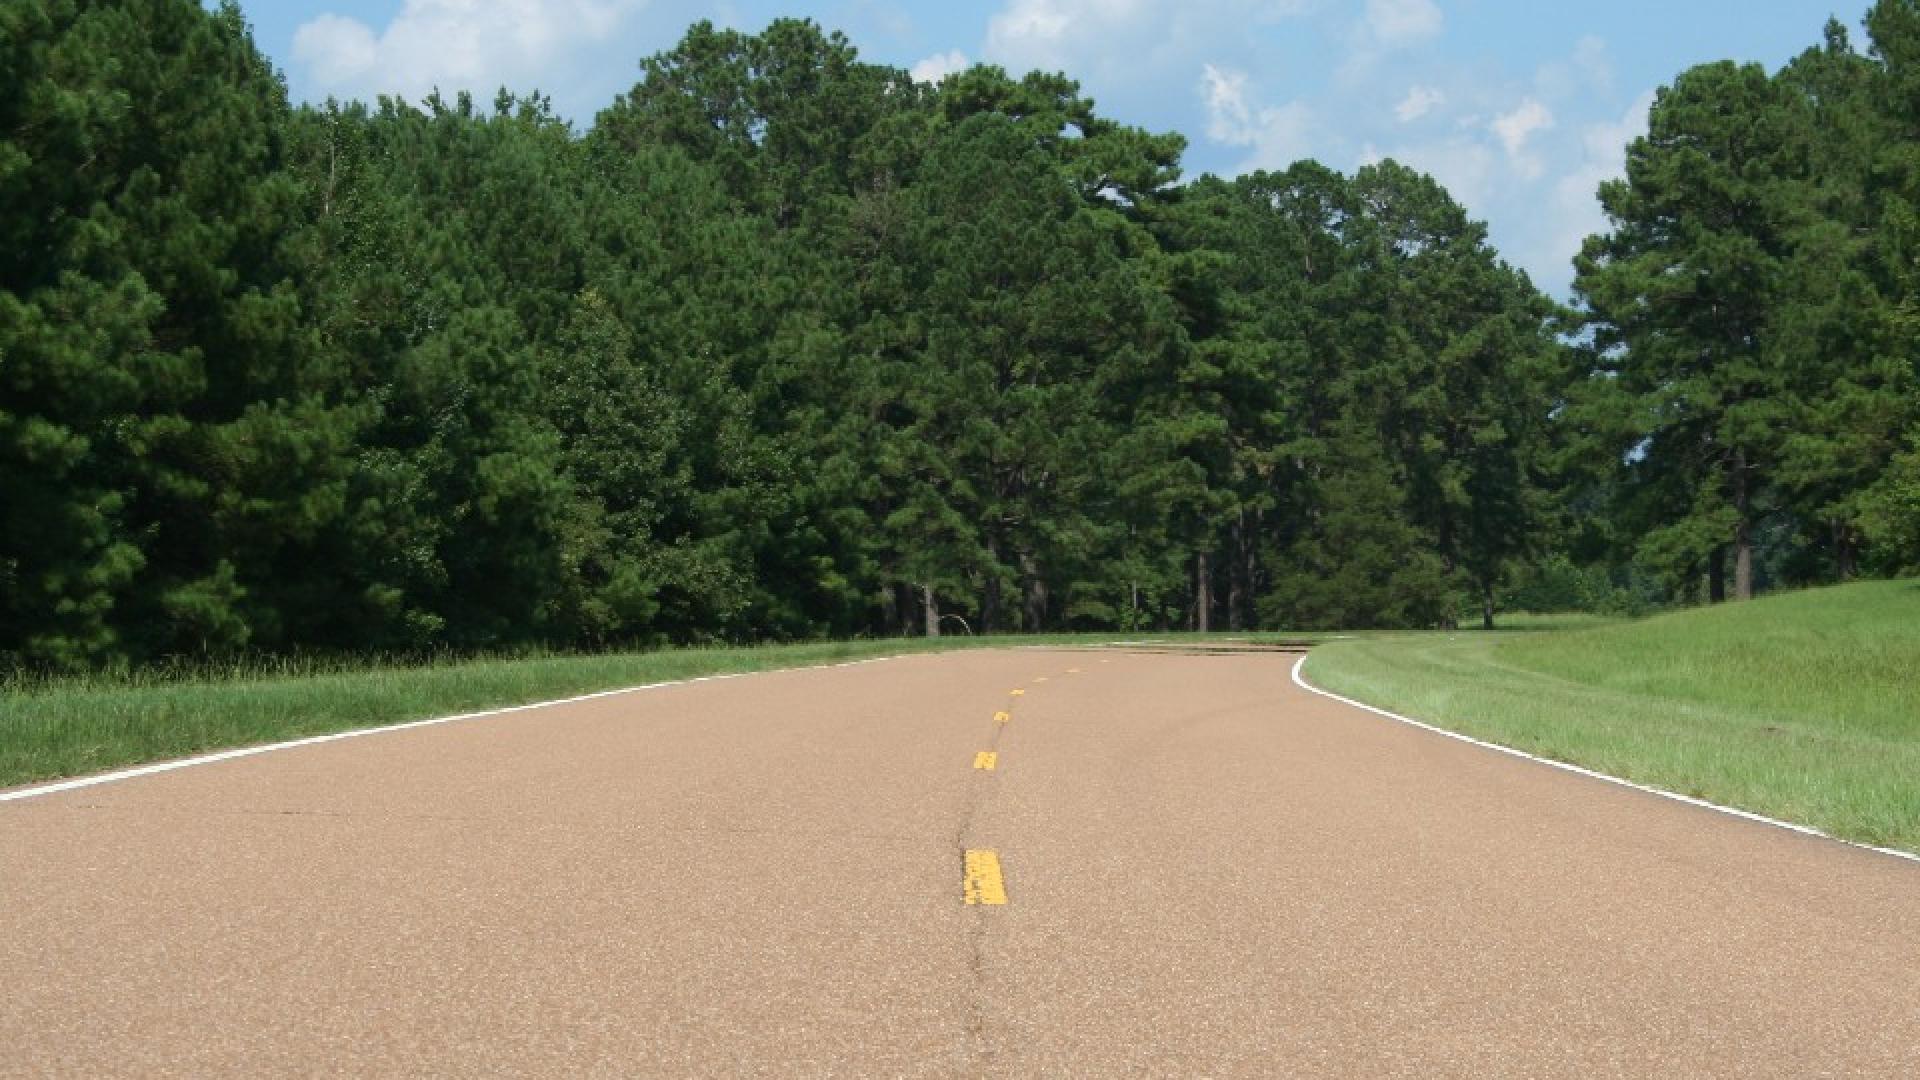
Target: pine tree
1683, 293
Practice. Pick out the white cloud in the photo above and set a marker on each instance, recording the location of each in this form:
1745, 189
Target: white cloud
1042, 33
1463, 164
1229, 118
1587, 71
1576, 206
1529, 172
1515, 129
885, 16
1045, 20
1285, 134
1277, 135
1403, 22
453, 44
336, 50
1591, 58
1419, 101
1522, 144
1384, 28
1520, 125
1121, 45
940, 65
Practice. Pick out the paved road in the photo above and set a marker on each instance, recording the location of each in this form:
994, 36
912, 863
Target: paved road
1206, 872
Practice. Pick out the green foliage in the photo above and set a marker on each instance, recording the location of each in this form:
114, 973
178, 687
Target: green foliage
1891, 511
787, 345
1752, 373
1359, 563
1558, 585
151, 342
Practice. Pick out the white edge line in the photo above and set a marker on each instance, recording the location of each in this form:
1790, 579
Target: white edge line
58, 786
1805, 830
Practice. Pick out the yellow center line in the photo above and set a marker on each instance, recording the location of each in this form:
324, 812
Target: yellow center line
980, 881
1073, 671
1017, 693
1002, 717
987, 759
1040, 679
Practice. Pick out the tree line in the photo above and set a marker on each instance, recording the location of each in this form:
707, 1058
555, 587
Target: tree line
1746, 409
786, 344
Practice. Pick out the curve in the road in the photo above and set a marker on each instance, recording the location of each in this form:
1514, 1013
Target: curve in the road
1300, 680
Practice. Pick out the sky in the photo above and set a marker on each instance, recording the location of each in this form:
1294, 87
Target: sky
1520, 108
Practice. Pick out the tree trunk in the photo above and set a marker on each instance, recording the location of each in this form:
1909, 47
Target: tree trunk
990, 596
1743, 561
1742, 530
1717, 576
906, 599
1486, 605
1844, 560
1202, 594
1250, 558
1236, 581
1034, 588
931, 604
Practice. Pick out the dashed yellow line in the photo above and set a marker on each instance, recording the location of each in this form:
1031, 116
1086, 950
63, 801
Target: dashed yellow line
1040, 679
1001, 717
1016, 693
1073, 671
980, 880
987, 759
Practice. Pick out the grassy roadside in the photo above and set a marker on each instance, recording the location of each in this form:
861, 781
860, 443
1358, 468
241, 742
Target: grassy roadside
71, 727
1804, 707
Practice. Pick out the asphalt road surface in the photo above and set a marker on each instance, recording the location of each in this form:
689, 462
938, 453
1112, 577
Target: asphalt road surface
1205, 871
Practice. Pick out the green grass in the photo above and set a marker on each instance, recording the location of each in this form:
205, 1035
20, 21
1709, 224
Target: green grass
1804, 706
57, 728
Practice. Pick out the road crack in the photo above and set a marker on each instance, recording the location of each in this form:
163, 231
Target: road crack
976, 1047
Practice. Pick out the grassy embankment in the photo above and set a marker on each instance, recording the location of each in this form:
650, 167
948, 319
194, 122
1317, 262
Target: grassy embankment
73, 726
1804, 706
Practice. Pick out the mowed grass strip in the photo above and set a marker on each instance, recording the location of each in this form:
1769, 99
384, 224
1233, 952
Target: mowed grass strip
1803, 707
56, 728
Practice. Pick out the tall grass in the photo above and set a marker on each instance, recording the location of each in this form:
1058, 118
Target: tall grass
69, 726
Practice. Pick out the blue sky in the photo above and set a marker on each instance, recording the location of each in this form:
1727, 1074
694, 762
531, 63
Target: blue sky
1520, 108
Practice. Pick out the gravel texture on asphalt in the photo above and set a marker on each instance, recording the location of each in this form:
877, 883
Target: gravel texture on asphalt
1208, 871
